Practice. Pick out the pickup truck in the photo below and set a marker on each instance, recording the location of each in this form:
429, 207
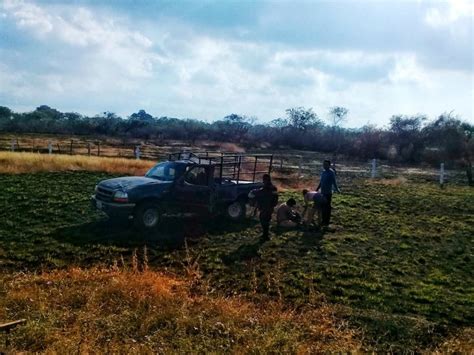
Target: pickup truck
185, 183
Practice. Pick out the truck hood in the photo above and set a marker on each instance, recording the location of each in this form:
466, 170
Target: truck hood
130, 182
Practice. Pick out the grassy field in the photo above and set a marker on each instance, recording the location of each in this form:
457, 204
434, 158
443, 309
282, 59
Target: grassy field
396, 270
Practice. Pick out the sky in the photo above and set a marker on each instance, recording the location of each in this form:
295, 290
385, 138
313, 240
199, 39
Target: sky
207, 59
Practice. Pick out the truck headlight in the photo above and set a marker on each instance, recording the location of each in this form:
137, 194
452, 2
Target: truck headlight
121, 196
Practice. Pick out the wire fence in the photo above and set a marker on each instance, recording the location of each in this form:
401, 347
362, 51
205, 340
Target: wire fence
92, 147
301, 165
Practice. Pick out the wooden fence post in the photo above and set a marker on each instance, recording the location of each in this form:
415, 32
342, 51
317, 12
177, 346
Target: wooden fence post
89, 148
137, 152
50, 148
281, 163
13, 145
70, 148
300, 166
374, 169
441, 175
98, 149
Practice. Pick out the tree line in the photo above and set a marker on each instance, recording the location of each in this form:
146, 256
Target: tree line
407, 139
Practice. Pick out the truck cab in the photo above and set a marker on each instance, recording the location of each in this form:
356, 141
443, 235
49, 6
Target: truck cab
185, 183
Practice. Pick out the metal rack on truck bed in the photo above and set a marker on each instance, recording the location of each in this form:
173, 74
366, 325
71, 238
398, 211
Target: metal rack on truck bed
236, 167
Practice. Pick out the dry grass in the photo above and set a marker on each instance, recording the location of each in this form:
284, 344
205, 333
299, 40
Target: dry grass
122, 311
461, 343
109, 146
390, 182
286, 181
23, 162
16, 163
230, 147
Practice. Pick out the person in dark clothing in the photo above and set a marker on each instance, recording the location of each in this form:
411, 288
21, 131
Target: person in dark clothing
266, 199
326, 184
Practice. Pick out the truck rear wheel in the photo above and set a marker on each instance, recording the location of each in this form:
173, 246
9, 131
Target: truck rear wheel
236, 210
147, 216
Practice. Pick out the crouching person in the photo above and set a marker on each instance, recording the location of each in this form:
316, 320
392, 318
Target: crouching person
287, 216
314, 202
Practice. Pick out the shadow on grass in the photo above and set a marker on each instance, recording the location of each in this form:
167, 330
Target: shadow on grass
305, 239
312, 237
171, 233
218, 226
243, 253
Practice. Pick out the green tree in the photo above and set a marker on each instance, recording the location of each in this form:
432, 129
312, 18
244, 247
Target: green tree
279, 123
142, 115
338, 115
5, 117
238, 126
301, 118
453, 139
406, 136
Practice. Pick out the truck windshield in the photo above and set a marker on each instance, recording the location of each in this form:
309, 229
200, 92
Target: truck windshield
164, 172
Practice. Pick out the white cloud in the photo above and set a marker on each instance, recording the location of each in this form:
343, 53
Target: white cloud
102, 38
446, 15
353, 58
91, 62
29, 16
407, 70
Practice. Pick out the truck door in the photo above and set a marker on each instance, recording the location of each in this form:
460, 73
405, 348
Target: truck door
193, 190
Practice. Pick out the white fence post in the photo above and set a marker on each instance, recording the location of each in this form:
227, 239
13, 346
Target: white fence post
441, 175
137, 152
50, 148
374, 169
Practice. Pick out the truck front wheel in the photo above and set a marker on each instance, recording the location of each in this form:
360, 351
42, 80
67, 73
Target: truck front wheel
147, 216
236, 210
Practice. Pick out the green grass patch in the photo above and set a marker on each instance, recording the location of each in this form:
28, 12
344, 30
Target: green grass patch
399, 261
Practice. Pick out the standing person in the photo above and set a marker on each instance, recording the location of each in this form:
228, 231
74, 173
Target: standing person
287, 216
326, 184
266, 199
